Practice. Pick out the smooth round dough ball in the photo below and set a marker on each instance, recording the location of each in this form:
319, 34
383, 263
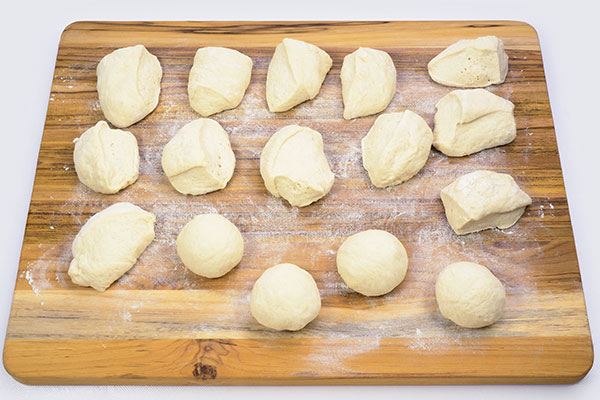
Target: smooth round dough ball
106, 160
218, 79
199, 159
396, 148
128, 84
372, 262
285, 297
210, 245
469, 295
368, 82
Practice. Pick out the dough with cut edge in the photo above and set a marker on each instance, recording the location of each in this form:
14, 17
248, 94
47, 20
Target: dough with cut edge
285, 297
471, 120
296, 73
128, 85
396, 148
293, 166
109, 244
218, 79
469, 295
471, 63
106, 160
199, 159
368, 82
482, 200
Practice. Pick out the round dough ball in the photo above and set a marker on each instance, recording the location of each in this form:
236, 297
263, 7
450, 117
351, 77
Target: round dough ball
218, 79
199, 159
106, 160
128, 85
469, 295
372, 262
396, 148
368, 82
285, 297
293, 166
210, 245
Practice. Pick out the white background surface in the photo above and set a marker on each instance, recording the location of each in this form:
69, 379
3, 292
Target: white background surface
568, 33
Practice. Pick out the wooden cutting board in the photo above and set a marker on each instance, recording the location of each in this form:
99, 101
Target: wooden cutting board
161, 324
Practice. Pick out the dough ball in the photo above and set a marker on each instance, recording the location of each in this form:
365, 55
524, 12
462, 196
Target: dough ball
210, 245
471, 63
109, 244
471, 120
368, 82
469, 295
199, 159
128, 85
396, 148
285, 297
293, 166
218, 79
295, 74
106, 160
482, 200
372, 262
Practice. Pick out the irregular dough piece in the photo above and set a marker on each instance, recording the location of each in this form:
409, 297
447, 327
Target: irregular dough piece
210, 245
285, 297
295, 74
199, 159
293, 166
468, 121
218, 79
368, 82
469, 295
396, 148
482, 200
372, 262
471, 63
109, 244
128, 85
106, 160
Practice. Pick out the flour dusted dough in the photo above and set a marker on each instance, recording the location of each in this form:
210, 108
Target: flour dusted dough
109, 244
293, 166
128, 85
396, 148
368, 82
218, 79
210, 245
469, 295
471, 63
199, 159
372, 262
285, 297
106, 160
295, 74
471, 120
482, 200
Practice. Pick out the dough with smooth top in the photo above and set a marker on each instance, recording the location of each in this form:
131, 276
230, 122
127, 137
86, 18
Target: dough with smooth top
483, 200
471, 63
471, 120
109, 244
106, 160
293, 166
128, 85
285, 297
218, 79
199, 159
469, 295
296, 73
396, 148
368, 82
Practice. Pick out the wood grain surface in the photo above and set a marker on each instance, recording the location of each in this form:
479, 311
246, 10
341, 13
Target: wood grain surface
161, 324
